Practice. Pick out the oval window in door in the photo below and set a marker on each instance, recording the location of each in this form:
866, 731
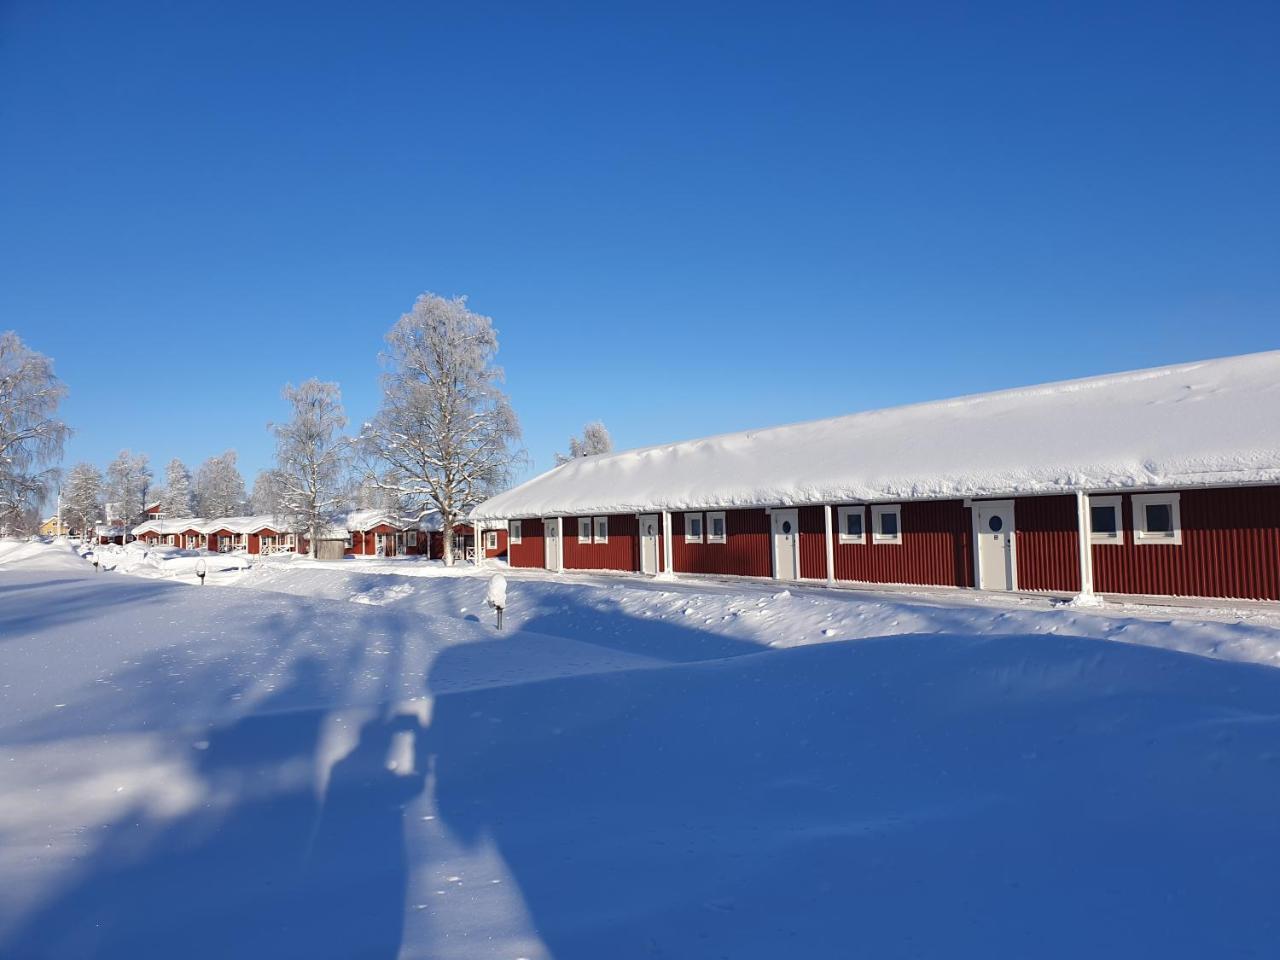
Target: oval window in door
786, 526
995, 523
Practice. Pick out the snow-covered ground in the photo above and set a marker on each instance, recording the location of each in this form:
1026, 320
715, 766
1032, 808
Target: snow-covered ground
346, 760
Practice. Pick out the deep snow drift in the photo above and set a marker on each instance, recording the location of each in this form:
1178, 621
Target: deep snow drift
630, 770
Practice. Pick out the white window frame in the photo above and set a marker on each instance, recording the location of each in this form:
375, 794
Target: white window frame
861, 511
601, 525
1144, 537
880, 510
491, 539
709, 525
584, 529
689, 535
515, 532
411, 538
351, 540
1116, 539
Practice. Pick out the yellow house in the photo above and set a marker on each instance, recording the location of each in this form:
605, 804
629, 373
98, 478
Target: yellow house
50, 528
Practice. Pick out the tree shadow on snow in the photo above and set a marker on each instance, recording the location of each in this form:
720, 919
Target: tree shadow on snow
263, 864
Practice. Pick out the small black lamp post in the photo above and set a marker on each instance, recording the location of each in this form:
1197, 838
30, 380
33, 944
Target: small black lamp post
201, 569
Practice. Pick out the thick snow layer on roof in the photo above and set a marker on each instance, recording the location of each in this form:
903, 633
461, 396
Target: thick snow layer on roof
1215, 421
368, 519
177, 525
262, 521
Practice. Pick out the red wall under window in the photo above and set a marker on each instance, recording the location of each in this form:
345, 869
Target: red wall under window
531, 551
622, 552
935, 548
1230, 548
746, 552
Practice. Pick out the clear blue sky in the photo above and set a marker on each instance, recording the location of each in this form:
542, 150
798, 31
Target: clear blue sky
683, 219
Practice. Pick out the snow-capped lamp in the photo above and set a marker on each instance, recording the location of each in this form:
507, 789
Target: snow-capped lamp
496, 596
201, 569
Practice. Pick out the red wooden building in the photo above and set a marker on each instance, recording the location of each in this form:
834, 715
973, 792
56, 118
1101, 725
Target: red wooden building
1157, 482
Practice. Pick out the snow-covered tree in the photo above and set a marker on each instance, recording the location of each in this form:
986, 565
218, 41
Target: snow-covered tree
445, 436
219, 487
595, 440
129, 486
176, 501
312, 457
31, 435
82, 498
265, 496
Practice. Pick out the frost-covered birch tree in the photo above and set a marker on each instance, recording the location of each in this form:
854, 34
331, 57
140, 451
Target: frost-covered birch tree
312, 458
176, 500
31, 435
595, 440
445, 436
128, 486
264, 498
220, 487
82, 497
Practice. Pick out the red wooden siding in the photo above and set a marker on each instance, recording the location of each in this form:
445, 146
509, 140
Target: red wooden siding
746, 551
622, 552
1230, 548
530, 552
1048, 545
813, 542
935, 548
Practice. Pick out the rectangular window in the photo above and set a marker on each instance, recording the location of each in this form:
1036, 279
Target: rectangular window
491, 540
584, 529
715, 527
412, 537
349, 542
886, 524
851, 525
1105, 525
1157, 518
602, 529
693, 528
515, 532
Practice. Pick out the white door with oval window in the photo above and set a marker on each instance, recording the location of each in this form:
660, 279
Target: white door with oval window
786, 544
650, 525
997, 561
551, 539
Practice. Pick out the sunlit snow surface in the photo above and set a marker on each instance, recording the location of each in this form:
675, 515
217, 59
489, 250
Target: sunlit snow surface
262, 767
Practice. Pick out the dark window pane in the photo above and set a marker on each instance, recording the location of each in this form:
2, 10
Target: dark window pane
717, 527
1159, 518
889, 524
853, 524
1104, 520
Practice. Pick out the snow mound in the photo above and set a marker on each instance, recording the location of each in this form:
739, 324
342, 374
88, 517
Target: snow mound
41, 554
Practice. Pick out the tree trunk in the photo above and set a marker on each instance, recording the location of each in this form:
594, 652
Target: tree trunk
311, 544
447, 543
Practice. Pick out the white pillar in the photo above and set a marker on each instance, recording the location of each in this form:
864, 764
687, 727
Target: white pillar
1086, 550
830, 543
667, 570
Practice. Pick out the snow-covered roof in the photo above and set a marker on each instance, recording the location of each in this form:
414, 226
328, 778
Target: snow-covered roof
368, 519
176, 525
1191, 424
252, 524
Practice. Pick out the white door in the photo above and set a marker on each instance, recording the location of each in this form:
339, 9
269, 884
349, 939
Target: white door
380, 544
993, 521
786, 544
551, 539
650, 525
